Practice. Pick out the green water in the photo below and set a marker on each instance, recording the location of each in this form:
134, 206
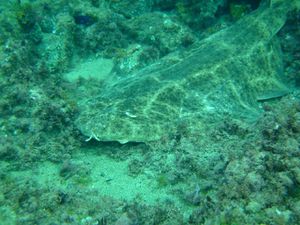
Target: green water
149, 112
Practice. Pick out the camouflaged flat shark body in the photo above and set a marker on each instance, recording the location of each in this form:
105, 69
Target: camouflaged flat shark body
222, 74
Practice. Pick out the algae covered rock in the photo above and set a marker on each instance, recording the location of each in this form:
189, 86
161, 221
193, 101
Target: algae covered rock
222, 74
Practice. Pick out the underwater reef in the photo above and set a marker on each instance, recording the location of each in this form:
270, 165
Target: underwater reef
149, 112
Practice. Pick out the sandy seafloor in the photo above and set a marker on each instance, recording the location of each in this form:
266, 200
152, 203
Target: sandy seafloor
54, 53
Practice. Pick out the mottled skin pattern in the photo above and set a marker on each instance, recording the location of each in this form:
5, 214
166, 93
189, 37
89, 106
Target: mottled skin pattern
221, 74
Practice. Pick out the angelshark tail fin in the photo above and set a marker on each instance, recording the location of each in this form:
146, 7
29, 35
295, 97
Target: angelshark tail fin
295, 4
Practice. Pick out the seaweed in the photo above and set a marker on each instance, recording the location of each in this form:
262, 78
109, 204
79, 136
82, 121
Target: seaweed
26, 16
